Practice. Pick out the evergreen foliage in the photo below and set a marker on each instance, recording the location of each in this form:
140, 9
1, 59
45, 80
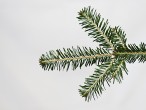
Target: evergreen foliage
110, 58
74, 57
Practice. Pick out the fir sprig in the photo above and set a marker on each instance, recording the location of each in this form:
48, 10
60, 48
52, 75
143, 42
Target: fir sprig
110, 58
75, 57
132, 53
105, 73
96, 26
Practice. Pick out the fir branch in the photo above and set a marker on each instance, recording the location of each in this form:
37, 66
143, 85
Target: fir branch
132, 53
96, 26
111, 57
74, 57
95, 84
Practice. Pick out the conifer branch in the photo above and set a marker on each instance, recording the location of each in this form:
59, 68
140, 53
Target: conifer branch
132, 53
96, 26
95, 84
75, 57
110, 59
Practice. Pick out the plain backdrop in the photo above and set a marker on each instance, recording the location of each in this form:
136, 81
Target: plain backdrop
29, 28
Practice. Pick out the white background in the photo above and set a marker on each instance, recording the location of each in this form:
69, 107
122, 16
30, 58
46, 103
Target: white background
29, 28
